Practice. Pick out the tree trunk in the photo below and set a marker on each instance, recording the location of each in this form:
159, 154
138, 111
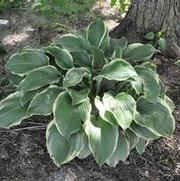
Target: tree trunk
152, 16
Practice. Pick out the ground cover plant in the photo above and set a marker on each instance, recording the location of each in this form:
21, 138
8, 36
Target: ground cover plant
9, 4
52, 9
156, 39
105, 95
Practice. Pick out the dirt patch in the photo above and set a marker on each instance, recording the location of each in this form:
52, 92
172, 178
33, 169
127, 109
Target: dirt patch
23, 154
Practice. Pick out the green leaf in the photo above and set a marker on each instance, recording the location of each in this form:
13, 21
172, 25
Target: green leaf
57, 145
61, 149
162, 43
85, 151
118, 70
150, 65
117, 52
103, 139
143, 132
99, 59
78, 96
132, 138
150, 81
122, 106
137, 85
105, 114
29, 95
82, 34
26, 61
82, 58
170, 103
113, 2
141, 145
62, 57
42, 103
138, 52
121, 152
96, 32
75, 76
162, 93
121, 43
150, 36
11, 111
40, 77
69, 118
155, 116
71, 42
77, 142
15, 79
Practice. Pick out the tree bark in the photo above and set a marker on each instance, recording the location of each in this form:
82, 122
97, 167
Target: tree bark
152, 16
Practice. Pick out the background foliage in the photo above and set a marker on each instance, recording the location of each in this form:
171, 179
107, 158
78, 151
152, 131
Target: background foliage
9, 4
52, 8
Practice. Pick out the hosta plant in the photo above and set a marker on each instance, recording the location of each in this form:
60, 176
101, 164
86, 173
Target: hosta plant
105, 96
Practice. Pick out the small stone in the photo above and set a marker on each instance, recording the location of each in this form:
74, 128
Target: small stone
3, 22
4, 154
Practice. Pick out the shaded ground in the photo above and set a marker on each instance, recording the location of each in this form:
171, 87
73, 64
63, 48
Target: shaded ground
23, 155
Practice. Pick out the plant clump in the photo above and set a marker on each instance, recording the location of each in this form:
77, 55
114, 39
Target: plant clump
105, 95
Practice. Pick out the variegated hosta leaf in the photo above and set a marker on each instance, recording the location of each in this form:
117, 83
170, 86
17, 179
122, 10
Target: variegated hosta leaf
118, 70
40, 77
102, 138
15, 79
137, 85
150, 65
121, 152
141, 145
26, 61
121, 43
42, 103
62, 57
71, 42
82, 58
155, 116
167, 102
69, 118
75, 76
143, 132
85, 151
82, 34
61, 149
11, 111
99, 59
150, 81
29, 95
77, 142
117, 53
133, 139
106, 115
138, 52
78, 96
57, 145
123, 107
97, 33
162, 93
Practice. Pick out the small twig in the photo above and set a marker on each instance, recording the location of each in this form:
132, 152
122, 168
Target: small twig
36, 123
31, 128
